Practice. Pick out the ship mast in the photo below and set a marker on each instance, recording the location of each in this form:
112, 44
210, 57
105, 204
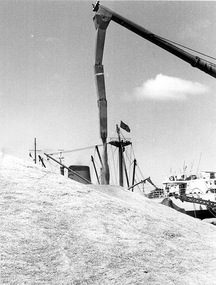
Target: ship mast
120, 144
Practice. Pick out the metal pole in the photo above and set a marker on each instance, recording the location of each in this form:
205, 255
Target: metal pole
134, 168
92, 158
121, 180
142, 181
125, 169
99, 155
41, 159
35, 150
101, 94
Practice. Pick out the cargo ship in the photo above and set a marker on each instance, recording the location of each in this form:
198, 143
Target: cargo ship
194, 195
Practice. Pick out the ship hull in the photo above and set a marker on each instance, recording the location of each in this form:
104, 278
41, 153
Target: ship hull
201, 214
191, 209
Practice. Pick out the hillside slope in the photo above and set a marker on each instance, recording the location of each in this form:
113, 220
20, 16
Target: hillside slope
57, 231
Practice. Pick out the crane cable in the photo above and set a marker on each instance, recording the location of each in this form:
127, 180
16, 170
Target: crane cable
189, 49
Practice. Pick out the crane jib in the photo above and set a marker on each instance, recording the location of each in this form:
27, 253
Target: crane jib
107, 15
102, 18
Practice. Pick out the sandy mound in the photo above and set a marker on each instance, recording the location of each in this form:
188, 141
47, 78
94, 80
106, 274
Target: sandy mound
57, 231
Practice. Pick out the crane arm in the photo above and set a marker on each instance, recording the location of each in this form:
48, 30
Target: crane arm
101, 26
103, 16
207, 203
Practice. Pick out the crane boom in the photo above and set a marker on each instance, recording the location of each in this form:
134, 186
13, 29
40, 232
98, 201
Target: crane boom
101, 94
208, 203
103, 16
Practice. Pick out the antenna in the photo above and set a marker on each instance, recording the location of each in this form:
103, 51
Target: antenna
199, 162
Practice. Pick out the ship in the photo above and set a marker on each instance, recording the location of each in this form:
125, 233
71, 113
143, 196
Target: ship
194, 195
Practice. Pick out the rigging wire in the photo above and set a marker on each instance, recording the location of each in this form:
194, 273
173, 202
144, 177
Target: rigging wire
131, 162
74, 150
114, 164
128, 160
97, 164
140, 172
212, 212
137, 175
53, 167
130, 157
194, 210
211, 57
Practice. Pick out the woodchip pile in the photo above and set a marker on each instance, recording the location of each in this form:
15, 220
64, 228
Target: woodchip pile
57, 231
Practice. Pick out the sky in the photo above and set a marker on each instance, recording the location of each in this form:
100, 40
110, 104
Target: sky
48, 92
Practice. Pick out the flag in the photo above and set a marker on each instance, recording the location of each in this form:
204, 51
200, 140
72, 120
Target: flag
124, 127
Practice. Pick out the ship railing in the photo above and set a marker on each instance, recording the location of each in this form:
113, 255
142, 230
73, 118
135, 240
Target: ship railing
157, 193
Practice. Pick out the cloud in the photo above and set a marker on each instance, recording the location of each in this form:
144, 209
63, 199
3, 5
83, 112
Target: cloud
169, 88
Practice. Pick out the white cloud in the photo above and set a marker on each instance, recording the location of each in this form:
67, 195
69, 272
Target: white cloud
169, 88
